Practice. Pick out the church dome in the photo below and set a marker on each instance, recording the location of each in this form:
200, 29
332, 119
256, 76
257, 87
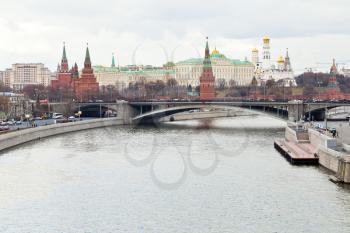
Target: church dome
217, 55
266, 39
280, 60
255, 50
215, 52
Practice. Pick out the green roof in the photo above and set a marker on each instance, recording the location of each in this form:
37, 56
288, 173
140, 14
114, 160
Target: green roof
102, 69
199, 61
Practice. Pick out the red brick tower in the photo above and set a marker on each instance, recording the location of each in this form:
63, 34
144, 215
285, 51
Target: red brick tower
207, 79
63, 80
86, 88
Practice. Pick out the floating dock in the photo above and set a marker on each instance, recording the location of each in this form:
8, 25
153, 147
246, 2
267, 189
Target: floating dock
297, 154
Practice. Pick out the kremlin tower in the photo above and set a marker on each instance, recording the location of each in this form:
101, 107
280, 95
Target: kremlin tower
207, 79
84, 87
266, 62
334, 69
63, 80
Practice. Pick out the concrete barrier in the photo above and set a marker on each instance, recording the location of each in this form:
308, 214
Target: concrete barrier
15, 138
329, 158
316, 138
291, 135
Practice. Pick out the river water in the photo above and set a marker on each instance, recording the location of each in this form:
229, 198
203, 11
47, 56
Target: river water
218, 175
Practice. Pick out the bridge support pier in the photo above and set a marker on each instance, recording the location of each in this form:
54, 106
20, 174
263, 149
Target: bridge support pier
295, 110
126, 112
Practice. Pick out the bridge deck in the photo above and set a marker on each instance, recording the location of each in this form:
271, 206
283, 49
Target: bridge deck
297, 154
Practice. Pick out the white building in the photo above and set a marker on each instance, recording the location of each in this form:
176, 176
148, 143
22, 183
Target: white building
122, 77
229, 71
345, 72
22, 74
266, 70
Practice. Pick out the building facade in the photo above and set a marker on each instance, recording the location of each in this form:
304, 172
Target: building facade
122, 77
14, 105
22, 74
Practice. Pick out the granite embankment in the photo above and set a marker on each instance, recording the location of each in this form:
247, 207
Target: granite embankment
19, 137
301, 143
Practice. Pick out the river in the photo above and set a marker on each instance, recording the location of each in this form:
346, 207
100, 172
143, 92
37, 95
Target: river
220, 175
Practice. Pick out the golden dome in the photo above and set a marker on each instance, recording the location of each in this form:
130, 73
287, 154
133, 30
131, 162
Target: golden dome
266, 39
255, 50
280, 60
215, 52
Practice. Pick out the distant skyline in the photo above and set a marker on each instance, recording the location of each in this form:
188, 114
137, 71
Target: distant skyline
140, 32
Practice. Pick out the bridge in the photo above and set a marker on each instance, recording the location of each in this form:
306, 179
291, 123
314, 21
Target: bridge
292, 110
147, 111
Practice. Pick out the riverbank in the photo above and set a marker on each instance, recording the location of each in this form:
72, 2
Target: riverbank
306, 144
16, 138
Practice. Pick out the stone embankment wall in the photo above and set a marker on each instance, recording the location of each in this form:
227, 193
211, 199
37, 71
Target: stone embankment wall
316, 138
330, 158
16, 138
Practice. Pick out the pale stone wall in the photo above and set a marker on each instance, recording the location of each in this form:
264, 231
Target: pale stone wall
328, 158
317, 138
15, 138
291, 135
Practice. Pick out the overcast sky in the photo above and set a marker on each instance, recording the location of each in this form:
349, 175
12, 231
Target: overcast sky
155, 31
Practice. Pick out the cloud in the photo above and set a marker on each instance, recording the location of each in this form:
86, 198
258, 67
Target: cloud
33, 30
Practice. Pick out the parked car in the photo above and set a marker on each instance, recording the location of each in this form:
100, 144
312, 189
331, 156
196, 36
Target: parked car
4, 128
37, 118
57, 116
72, 118
10, 123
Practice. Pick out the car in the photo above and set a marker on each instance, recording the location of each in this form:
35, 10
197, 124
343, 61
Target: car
18, 122
72, 118
57, 116
37, 118
4, 128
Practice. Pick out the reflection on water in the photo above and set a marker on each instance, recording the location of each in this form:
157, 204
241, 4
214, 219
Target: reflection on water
221, 175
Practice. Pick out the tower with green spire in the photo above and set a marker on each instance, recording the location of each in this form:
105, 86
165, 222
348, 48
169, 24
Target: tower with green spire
207, 79
87, 70
86, 87
64, 61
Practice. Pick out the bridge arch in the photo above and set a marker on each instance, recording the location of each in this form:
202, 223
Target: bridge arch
95, 109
